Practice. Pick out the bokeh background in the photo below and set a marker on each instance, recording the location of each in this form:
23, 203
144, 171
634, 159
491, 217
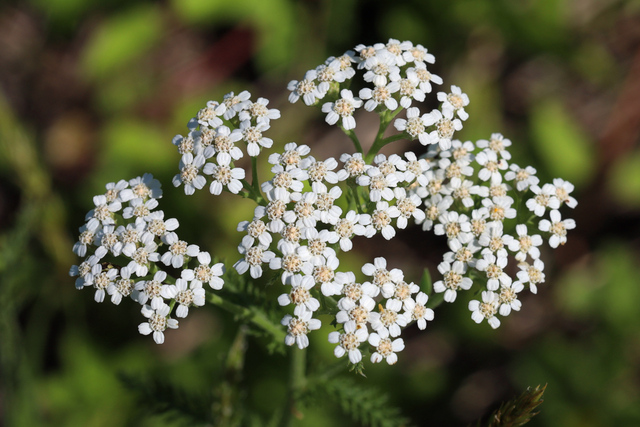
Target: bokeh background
93, 92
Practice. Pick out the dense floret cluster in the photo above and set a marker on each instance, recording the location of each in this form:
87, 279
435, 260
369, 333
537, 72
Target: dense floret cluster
125, 226
494, 214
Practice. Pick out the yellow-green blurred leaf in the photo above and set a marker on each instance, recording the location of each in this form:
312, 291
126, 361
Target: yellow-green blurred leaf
484, 118
132, 148
596, 63
124, 91
120, 39
620, 266
565, 148
86, 392
624, 181
578, 290
402, 23
605, 286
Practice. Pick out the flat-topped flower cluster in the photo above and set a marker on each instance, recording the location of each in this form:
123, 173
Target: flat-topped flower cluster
125, 226
494, 214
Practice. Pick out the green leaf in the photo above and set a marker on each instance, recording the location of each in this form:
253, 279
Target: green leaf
364, 404
606, 287
85, 391
120, 39
564, 147
405, 24
134, 147
624, 181
125, 90
426, 283
162, 397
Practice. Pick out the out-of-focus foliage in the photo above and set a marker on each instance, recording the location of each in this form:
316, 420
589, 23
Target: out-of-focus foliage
564, 148
274, 21
624, 183
117, 42
592, 368
92, 92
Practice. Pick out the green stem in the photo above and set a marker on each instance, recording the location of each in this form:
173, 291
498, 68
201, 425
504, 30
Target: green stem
255, 182
379, 143
385, 118
328, 304
356, 197
297, 383
352, 135
252, 315
252, 193
254, 174
226, 408
532, 217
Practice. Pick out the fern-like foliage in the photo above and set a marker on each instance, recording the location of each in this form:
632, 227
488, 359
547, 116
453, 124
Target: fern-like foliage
518, 411
250, 293
245, 292
364, 404
160, 397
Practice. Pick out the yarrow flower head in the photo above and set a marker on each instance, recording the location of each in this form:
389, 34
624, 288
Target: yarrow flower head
309, 211
343, 109
158, 320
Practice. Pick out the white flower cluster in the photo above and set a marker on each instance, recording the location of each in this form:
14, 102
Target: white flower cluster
125, 227
466, 197
301, 230
213, 139
471, 198
399, 77
494, 214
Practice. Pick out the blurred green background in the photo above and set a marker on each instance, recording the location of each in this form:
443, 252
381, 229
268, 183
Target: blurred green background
93, 92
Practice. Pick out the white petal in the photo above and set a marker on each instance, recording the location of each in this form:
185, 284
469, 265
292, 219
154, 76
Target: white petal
144, 328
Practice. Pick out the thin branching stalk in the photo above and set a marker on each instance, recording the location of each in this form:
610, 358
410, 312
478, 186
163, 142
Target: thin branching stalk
249, 314
297, 383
